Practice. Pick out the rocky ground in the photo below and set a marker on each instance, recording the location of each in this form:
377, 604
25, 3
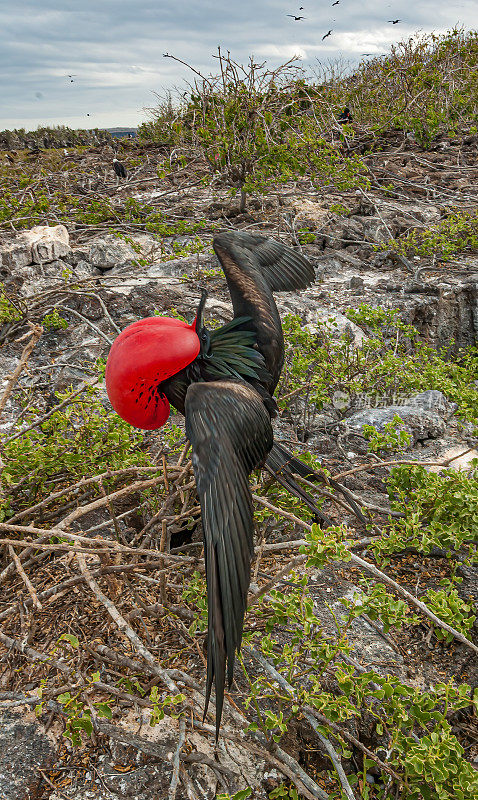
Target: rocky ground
100, 283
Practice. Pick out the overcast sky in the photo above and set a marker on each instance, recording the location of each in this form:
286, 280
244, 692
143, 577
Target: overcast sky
114, 49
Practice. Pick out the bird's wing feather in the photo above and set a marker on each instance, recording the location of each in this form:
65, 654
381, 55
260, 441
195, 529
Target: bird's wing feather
282, 268
254, 268
230, 433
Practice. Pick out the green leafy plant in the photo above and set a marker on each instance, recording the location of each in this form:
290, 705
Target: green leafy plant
450, 607
9, 312
391, 439
253, 127
391, 362
440, 509
412, 723
195, 594
161, 703
81, 439
53, 321
457, 233
287, 792
426, 84
243, 794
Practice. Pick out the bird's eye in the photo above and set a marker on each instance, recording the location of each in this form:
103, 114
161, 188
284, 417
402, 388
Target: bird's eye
203, 336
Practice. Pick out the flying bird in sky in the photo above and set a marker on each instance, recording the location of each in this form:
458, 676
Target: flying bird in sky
327, 34
294, 17
394, 21
336, 3
223, 381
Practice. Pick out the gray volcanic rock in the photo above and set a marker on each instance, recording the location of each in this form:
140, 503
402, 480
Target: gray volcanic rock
24, 747
33, 255
104, 254
47, 243
424, 416
152, 751
29, 279
15, 256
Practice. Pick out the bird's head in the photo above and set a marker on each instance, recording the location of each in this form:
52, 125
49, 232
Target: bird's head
142, 357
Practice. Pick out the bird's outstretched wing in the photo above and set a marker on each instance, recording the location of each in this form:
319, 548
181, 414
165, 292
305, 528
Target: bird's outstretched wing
282, 268
231, 434
254, 268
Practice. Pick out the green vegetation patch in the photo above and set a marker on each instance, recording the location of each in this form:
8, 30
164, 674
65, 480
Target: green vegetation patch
456, 234
255, 127
427, 84
393, 363
82, 439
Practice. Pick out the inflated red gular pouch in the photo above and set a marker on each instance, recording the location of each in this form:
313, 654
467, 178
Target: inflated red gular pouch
143, 355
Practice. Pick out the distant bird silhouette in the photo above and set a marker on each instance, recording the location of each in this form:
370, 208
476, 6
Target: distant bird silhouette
327, 34
294, 17
345, 117
336, 3
367, 54
394, 21
119, 168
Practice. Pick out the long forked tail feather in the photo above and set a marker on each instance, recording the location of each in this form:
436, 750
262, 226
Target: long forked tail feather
284, 466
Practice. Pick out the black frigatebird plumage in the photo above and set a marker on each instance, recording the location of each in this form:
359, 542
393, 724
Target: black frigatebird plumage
294, 17
327, 34
394, 21
223, 382
345, 117
118, 167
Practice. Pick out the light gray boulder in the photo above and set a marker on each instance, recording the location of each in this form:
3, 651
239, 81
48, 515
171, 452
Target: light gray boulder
424, 416
16, 256
110, 252
47, 243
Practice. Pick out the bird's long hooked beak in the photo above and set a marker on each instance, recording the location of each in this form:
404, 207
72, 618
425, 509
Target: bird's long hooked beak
198, 323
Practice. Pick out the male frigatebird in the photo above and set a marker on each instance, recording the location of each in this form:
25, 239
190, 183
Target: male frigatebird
118, 167
345, 117
223, 382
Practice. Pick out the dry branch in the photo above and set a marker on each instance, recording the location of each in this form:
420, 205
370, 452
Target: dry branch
32, 654
123, 625
326, 743
34, 333
25, 578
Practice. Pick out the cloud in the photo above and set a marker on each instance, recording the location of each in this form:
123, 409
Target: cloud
116, 48
281, 52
